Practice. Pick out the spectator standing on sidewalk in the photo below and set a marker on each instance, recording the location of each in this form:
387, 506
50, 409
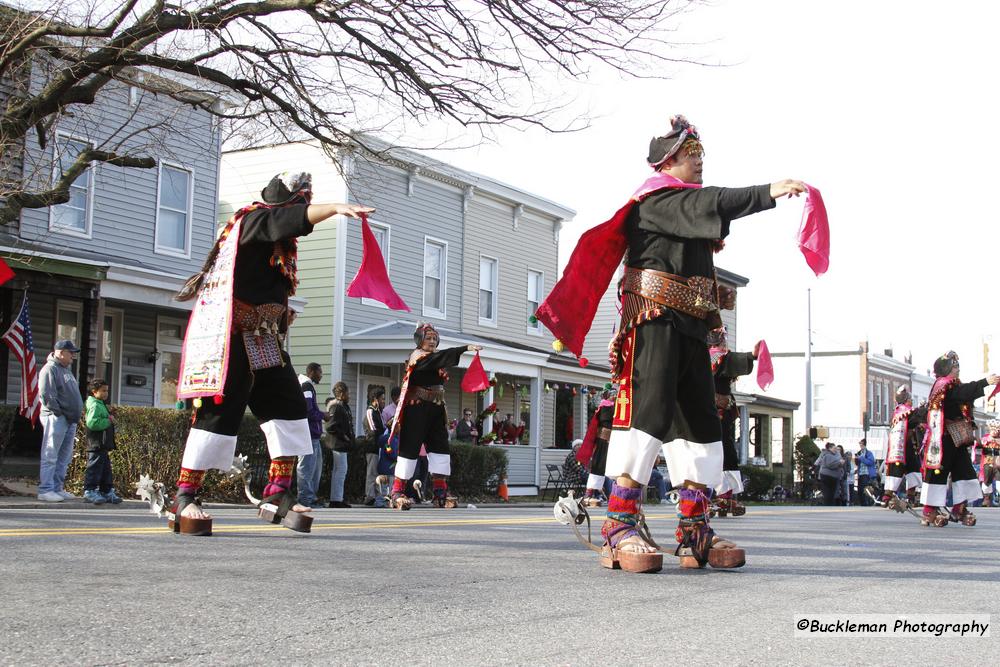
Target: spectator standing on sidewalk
340, 429
309, 469
865, 461
98, 481
830, 465
62, 405
374, 428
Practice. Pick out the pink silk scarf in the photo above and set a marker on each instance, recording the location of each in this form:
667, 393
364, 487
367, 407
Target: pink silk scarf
814, 232
372, 278
765, 368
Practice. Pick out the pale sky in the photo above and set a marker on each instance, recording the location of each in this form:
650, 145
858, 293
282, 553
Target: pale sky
887, 107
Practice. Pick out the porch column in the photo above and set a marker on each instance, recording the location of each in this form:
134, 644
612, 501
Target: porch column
536, 422
744, 443
580, 415
488, 399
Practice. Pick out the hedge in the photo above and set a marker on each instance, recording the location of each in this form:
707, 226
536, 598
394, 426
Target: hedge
151, 441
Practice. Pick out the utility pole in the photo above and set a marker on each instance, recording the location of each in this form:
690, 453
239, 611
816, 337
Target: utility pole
809, 344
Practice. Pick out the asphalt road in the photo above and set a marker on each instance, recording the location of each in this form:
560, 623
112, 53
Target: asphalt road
497, 586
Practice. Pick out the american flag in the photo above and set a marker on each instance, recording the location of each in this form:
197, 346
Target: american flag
18, 339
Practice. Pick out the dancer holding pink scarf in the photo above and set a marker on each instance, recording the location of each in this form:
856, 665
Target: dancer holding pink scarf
950, 432
667, 234
232, 356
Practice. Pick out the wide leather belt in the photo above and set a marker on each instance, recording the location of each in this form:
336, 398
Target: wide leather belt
604, 434
429, 394
695, 296
258, 320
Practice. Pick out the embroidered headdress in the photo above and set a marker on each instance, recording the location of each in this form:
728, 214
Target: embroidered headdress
682, 135
422, 331
944, 364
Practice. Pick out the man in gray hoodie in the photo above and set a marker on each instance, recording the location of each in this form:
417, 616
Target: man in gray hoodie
62, 405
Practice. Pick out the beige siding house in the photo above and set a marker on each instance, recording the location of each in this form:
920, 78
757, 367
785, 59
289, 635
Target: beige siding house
469, 254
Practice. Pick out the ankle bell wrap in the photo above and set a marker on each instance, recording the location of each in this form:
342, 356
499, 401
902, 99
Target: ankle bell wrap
623, 514
189, 481
398, 486
693, 506
279, 476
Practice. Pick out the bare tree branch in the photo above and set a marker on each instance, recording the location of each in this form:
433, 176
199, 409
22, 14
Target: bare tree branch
318, 69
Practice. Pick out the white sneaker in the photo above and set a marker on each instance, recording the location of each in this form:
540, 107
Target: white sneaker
51, 497
66, 495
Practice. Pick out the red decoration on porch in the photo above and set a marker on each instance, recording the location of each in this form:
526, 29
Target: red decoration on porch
475, 378
584, 361
372, 279
6, 273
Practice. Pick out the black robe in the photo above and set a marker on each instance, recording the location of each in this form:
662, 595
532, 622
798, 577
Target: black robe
671, 393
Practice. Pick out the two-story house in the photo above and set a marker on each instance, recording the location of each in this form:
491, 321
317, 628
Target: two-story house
102, 268
468, 253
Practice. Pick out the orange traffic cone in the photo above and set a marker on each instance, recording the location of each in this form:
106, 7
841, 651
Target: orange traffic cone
502, 489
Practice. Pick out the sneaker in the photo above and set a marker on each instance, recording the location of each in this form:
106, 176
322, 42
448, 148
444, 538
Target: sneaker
66, 495
113, 497
51, 497
93, 496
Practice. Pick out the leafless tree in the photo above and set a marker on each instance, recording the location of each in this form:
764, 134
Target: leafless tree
290, 69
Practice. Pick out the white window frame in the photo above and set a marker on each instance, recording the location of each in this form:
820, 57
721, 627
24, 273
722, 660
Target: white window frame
164, 250
117, 316
161, 347
496, 292
777, 441
536, 328
88, 232
385, 255
441, 313
77, 308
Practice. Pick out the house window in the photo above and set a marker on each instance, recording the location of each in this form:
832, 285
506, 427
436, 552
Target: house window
488, 290
69, 325
73, 216
536, 285
777, 440
871, 414
111, 351
173, 213
435, 276
381, 234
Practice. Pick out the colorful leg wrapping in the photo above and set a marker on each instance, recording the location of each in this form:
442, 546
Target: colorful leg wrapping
440, 487
279, 476
190, 481
623, 514
693, 530
398, 487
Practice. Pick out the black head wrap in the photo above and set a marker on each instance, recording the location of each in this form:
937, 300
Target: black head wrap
663, 148
944, 364
285, 186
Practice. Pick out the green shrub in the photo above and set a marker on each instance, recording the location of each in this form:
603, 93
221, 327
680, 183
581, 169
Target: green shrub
760, 481
7, 413
150, 441
805, 455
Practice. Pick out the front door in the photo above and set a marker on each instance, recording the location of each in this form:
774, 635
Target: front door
169, 340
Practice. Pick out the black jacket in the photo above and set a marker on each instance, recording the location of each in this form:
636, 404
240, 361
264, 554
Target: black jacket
340, 425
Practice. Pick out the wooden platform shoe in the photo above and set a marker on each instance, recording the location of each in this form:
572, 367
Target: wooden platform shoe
277, 509
183, 525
